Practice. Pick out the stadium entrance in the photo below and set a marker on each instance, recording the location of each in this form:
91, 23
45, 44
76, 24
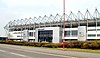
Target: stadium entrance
45, 36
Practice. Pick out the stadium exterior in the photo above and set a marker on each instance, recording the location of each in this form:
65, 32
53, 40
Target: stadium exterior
80, 27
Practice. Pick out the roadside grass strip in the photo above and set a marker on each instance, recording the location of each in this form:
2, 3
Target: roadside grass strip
80, 50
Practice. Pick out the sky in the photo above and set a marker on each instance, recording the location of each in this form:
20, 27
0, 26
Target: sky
20, 9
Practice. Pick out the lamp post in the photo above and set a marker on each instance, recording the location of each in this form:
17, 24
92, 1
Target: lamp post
64, 24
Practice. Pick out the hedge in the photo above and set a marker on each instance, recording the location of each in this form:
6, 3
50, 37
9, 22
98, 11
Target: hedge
70, 44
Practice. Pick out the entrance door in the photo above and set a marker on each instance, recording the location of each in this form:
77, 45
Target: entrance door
45, 36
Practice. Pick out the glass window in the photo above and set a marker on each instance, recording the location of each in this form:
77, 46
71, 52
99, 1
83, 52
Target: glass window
18, 36
98, 29
67, 33
74, 32
45, 35
30, 33
91, 35
98, 35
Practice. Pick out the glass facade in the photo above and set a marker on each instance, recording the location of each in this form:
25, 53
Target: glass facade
45, 36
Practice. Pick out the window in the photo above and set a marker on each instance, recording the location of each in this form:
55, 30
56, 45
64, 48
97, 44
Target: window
91, 35
31, 34
17, 32
67, 33
98, 35
74, 32
18, 36
45, 35
98, 29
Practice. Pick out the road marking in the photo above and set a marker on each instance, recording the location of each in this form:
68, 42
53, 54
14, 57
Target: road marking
17, 54
13, 53
2, 51
20, 55
46, 53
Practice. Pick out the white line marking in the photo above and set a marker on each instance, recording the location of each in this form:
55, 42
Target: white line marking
45, 53
20, 55
2, 51
17, 54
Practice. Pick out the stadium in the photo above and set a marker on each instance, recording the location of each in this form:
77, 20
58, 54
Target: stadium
79, 27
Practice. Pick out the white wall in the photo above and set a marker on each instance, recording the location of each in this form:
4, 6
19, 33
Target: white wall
15, 34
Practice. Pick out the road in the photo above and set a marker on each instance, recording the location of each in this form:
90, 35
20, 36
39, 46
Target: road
7, 51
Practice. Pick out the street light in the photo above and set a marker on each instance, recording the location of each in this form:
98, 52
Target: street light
64, 24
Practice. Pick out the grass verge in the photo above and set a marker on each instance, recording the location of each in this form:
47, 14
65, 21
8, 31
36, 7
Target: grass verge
80, 50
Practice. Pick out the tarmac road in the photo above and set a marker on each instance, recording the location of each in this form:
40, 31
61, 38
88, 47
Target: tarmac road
8, 51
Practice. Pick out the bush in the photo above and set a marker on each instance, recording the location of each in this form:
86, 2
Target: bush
85, 45
98, 44
94, 45
71, 44
51, 45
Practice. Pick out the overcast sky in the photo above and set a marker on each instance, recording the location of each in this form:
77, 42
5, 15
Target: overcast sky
19, 9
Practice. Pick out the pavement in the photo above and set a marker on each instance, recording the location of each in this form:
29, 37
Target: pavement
44, 52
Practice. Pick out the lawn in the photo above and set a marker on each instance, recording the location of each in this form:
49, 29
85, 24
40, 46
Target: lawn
80, 50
